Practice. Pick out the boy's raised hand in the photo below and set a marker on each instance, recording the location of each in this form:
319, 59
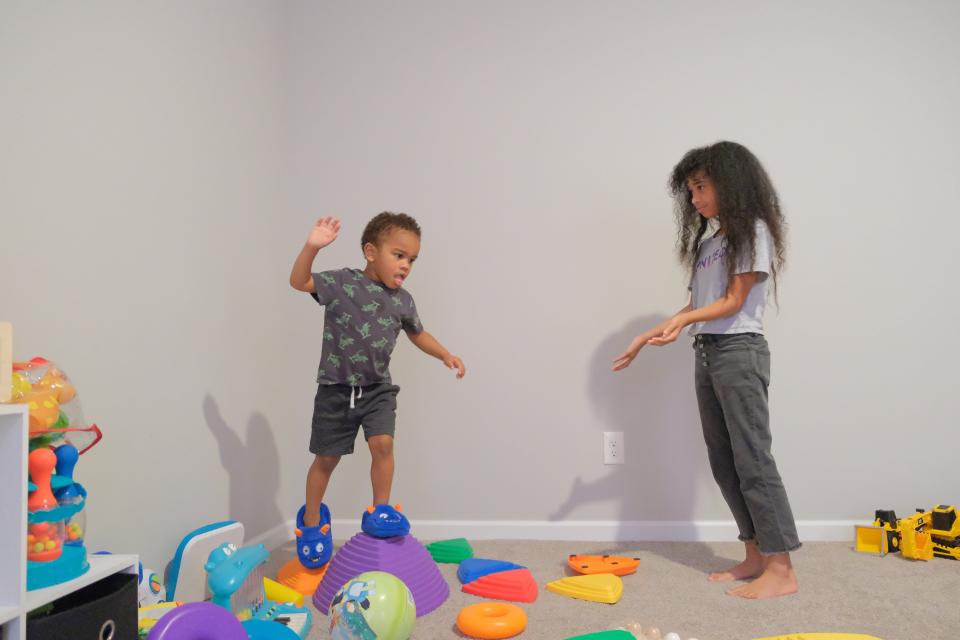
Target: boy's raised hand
324, 232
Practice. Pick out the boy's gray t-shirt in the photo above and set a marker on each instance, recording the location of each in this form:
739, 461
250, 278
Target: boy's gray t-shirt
362, 321
709, 283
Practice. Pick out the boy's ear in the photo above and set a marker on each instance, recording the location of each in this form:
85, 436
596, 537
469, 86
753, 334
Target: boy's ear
369, 251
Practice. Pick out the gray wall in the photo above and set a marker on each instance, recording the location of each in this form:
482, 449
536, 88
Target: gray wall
161, 164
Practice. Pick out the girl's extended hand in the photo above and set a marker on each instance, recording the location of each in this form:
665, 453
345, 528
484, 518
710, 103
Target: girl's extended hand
670, 332
324, 232
453, 362
623, 360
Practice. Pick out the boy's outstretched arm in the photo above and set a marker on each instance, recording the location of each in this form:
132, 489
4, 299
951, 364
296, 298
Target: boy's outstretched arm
429, 345
323, 233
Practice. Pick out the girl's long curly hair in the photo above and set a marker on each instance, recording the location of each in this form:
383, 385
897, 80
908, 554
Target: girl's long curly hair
744, 194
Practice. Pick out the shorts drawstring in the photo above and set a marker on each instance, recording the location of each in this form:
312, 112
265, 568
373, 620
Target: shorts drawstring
354, 395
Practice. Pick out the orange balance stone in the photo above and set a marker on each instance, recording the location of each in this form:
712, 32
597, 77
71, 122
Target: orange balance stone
516, 585
301, 579
617, 565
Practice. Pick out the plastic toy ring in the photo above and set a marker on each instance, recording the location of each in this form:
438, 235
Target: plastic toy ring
491, 620
198, 621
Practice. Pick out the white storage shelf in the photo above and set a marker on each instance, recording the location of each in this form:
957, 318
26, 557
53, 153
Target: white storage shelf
15, 601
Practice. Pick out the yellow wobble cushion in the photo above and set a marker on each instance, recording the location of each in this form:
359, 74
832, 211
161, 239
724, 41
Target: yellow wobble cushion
822, 636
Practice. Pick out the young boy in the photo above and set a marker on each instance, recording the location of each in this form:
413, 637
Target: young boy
365, 311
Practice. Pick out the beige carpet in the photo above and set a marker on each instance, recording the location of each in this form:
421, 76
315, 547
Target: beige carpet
840, 591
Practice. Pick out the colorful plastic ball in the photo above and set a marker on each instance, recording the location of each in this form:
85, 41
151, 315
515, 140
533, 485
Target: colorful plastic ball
374, 604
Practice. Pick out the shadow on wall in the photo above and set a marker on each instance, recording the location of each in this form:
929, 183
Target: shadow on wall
253, 467
653, 402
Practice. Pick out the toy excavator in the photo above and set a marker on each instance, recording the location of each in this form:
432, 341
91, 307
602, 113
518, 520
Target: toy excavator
920, 536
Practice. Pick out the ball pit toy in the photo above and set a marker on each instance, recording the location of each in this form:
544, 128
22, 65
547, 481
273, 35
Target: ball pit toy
55, 414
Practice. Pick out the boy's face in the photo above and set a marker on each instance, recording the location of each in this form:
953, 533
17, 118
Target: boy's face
391, 259
703, 194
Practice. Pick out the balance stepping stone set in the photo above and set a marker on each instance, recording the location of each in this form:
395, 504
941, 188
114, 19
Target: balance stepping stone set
403, 556
450, 551
497, 580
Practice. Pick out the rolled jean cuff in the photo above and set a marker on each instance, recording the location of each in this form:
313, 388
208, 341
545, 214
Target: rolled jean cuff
753, 541
777, 553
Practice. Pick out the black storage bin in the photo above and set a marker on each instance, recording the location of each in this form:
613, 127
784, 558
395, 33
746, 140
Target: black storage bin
104, 610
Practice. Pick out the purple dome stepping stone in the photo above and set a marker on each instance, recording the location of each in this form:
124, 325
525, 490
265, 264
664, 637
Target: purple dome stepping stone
403, 556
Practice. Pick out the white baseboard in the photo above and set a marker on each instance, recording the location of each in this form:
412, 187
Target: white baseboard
587, 530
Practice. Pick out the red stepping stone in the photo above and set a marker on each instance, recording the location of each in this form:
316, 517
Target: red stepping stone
516, 585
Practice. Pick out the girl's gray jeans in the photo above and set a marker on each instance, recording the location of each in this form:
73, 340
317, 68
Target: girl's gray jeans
732, 376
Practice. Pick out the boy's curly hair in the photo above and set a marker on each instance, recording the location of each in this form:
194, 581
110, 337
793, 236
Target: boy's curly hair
744, 194
383, 222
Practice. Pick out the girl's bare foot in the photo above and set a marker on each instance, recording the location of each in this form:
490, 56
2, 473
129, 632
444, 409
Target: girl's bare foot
751, 567
777, 579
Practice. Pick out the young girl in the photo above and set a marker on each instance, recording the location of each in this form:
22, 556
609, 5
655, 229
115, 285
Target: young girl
731, 237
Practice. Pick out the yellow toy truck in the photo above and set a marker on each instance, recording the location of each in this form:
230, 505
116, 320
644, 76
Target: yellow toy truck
920, 536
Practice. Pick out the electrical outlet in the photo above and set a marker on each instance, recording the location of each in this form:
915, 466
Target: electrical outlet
613, 450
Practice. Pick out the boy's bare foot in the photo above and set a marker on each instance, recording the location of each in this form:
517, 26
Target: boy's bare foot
751, 567
777, 579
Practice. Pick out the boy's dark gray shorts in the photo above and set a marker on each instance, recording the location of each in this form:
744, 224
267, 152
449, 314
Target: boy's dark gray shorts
335, 423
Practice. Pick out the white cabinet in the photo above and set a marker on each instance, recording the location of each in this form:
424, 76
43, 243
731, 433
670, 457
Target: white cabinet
15, 601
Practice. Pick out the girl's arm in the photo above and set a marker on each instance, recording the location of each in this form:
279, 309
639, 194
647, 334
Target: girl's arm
623, 360
430, 346
731, 302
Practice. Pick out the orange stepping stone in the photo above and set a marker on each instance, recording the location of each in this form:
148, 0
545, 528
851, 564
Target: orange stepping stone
617, 565
301, 579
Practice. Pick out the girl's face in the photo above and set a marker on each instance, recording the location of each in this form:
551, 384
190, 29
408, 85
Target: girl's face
703, 194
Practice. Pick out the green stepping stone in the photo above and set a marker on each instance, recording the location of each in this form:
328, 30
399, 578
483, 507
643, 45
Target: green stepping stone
450, 551
615, 634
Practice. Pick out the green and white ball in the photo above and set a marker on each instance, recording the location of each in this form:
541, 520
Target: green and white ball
372, 606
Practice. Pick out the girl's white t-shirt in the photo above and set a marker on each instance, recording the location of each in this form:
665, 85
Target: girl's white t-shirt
709, 283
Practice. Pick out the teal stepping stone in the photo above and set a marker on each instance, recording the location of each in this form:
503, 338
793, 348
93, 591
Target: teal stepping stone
452, 551
615, 634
